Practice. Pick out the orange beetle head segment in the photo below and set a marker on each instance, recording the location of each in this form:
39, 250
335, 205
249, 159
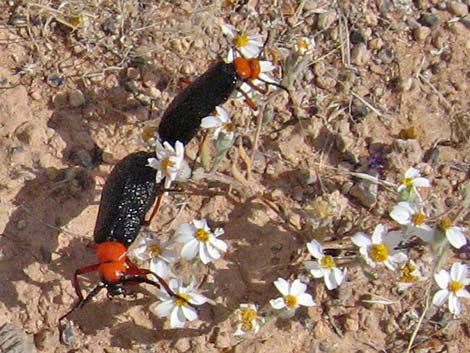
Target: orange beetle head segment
242, 68
112, 272
111, 251
255, 68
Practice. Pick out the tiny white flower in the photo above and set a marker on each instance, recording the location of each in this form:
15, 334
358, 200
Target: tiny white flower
160, 256
380, 250
409, 274
248, 45
409, 215
293, 295
247, 319
178, 309
304, 45
455, 235
170, 163
220, 121
412, 180
324, 266
198, 238
452, 287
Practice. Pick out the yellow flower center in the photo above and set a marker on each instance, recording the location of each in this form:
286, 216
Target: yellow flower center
327, 262
167, 163
247, 315
407, 274
378, 252
418, 218
302, 44
455, 286
247, 326
183, 300
241, 40
445, 224
408, 182
202, 235
291, 301
154, 250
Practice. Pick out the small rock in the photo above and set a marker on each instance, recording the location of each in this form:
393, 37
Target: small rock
386, 55
428, 20
36, 95
365, 192
360, 55
421, 33
76, 98
441, 5
376, 43
14, 340
55, 80
357, 37
458, 9
359, 111
326, 19
132, 73
325, 82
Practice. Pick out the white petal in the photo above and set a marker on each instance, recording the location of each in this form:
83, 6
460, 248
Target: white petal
185, 233
190, 249
463, 293
205, 255
210, 122
222, 114
392, 239
338, 275
218, 244
442, 279
297, 288
402, 213
440, 297
201, 224
424, 232
177, 318
411, 173
315, 249
229, 30
277, 303
197, 299
421, 182
282, 286
305, 299
249, 51
330, 281
456, 237
189, 312
160, 267
361, 240
458, 271
266, 66
379, 233
454, 305
164, 309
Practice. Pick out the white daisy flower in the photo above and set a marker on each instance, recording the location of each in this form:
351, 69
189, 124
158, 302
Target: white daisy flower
178, 309
455, 235
304, 46
452, 287
198, 238
293, 295
248, 45
220, 121
412, 180
170, 163
248, 319
409, 275
380, 249
160, 256
407, 214
324, 266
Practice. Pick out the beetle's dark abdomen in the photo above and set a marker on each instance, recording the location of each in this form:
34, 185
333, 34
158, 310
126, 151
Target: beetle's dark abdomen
182, 119
128, 193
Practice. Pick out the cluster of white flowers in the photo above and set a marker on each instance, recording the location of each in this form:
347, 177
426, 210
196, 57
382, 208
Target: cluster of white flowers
410, 214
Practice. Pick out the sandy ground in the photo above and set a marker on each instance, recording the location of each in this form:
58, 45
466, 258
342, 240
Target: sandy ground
378, 67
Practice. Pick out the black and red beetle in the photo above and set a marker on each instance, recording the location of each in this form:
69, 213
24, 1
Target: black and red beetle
182, 118
128, 194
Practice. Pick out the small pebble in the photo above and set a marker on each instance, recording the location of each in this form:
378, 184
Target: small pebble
76, 98
386, 55
458, 9
325, 19
421, 33
357, 37
359, 111
360, 55
428, 20
55, 80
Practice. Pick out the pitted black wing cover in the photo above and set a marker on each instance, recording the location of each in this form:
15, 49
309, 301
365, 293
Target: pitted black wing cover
128, 193
182, 118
